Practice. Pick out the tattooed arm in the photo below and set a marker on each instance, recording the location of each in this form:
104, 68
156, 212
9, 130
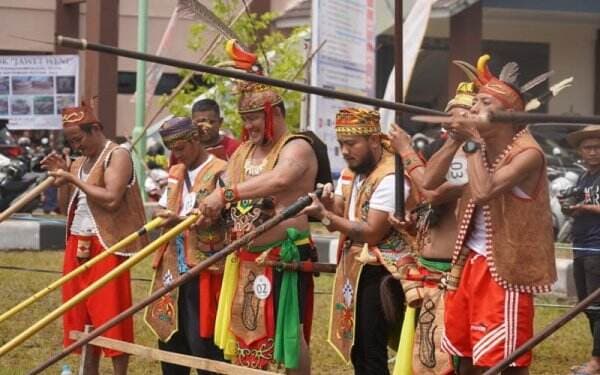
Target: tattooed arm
297, 162
372, 231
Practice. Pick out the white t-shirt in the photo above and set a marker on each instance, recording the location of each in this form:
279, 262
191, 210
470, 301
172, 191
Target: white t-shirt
477, 238
383, 198
83, 224
184, 192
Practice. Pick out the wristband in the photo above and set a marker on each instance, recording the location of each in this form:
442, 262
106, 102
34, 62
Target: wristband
411, 160
229, 194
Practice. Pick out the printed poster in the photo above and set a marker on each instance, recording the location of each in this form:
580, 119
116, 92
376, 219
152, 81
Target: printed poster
34, 89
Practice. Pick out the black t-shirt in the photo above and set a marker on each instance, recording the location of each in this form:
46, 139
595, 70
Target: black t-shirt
586, 226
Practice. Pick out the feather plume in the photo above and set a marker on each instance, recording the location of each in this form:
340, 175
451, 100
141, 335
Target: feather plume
553, 91
469, 70
536, 81
200, 12
510, 73
558, 87
483, 71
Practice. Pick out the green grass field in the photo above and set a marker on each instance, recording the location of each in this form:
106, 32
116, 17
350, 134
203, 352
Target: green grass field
569, 346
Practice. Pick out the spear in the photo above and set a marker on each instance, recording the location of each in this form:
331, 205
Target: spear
511, 118
285, 214
399, 96
498, 116
83, 44
546, 332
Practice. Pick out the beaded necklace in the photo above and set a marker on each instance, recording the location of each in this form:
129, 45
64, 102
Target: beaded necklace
503, 154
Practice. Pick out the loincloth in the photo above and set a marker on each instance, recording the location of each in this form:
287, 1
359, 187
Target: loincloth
428, 358
262, 331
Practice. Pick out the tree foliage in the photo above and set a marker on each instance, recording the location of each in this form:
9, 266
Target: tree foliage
285, 59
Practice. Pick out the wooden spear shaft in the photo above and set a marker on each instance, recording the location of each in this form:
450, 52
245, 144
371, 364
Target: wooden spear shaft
303, 266
500, 116
531, 118
152, 225
130, 262
399, 96
26, 198
83, 44
546, 332
287, 213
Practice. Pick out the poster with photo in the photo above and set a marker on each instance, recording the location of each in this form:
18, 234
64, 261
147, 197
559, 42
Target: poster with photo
345, 63
34, 89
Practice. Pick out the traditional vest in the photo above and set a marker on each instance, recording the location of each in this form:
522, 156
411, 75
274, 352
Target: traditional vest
385, 168
246, 214
246, 317
387, 252
520, 243
112, 225
162, 315
206, 240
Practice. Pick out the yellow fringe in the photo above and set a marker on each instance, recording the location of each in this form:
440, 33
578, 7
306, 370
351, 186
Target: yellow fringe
224, 339
403, 364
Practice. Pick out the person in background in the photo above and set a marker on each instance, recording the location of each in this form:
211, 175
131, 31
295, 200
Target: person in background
583, 203
207, 115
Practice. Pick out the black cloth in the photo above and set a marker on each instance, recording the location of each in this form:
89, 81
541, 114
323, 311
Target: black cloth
586, 270
369, 353
586, 226
187, 339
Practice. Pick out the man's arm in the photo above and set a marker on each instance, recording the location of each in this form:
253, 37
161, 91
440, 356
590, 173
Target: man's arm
447, 192
591, 208
372, 231
338, 205
117, 175
375, 228
439, 163
485, 186
295, 160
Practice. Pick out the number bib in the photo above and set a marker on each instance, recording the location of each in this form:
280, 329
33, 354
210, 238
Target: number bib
457, 174
262, 287
189, 201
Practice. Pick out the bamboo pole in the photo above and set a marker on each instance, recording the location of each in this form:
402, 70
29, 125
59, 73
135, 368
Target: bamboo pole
286, 213
152, 225
133, 260
26, 198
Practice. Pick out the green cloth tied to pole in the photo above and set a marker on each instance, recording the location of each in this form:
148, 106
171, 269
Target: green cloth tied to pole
287, 327
435, 265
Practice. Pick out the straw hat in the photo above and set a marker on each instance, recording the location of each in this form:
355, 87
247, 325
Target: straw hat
590, 131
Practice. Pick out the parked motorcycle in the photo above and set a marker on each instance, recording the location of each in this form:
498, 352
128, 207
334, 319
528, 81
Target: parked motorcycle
19, 171
15, 180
